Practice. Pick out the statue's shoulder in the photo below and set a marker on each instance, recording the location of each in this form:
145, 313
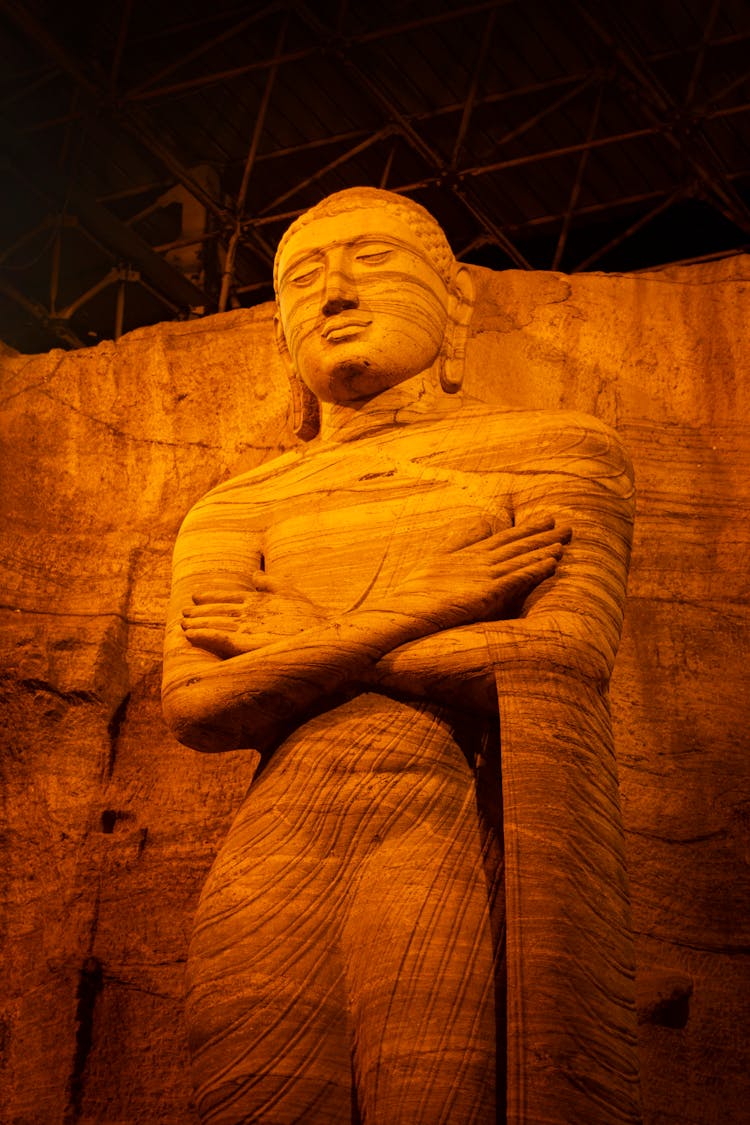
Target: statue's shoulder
246, 492
526, 422
543, 433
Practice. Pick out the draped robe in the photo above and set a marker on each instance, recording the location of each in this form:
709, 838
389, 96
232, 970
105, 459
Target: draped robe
374, 895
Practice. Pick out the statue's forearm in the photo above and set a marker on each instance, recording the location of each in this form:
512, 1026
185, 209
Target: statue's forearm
459, 665
451, 666
246, 701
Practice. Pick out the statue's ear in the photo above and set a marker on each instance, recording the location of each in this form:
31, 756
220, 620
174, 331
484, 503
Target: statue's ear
305, 406
281, 344
460, 309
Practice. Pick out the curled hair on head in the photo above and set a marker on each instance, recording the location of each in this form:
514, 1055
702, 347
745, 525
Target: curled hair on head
427, 229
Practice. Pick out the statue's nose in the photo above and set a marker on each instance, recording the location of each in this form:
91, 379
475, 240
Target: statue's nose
341, 293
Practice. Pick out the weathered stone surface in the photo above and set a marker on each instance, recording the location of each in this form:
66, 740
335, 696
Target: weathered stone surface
105, 451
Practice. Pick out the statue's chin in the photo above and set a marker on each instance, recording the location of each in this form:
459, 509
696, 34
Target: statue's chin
359, 381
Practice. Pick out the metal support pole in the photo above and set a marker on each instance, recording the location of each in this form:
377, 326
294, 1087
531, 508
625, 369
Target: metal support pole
575, 192
373, 139
443, 172
206, 45
119, 309
388, 165
122, 35
701, 55
54, 280
632, 229
228, 272
659, 108
473, 87
56, 325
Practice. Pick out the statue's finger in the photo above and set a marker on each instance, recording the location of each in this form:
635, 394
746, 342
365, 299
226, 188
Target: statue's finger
209, 621
509, 550
543, 523
549, 555
511, 535
524, 530
212, 609
267, 584
212, 640
222, 596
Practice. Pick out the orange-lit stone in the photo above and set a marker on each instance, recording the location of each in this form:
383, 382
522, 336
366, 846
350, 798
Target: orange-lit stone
360, 611
111, 826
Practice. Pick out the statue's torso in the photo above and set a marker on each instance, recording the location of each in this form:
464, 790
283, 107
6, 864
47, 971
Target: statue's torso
349, 520
375, 518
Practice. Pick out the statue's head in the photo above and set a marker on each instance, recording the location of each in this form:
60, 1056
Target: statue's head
369, 294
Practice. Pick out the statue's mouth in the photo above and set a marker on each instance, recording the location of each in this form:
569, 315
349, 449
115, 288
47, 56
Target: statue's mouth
341, 327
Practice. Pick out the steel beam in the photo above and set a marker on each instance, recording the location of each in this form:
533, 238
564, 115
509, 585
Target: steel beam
228, 271
344, 158
444, 174
716, 256
512, 228
101, 101
531, 158
48, 223
473, 87
589, 209
119, 239
53, 324
640, 222
701, 53
216, 76
207, 45
122, 34
719, 41
577, 183
388, 165
328, 38
724, 92
671, 120
21, 91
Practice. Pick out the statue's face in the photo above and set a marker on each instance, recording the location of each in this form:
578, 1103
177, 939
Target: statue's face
361, 306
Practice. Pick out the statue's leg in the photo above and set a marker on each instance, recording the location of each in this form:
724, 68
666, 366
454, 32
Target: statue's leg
266, 1005
422, 971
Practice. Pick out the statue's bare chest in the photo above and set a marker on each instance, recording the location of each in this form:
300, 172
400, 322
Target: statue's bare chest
361, 523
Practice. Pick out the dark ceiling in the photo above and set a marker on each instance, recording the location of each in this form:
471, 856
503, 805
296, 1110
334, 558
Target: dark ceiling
155, 151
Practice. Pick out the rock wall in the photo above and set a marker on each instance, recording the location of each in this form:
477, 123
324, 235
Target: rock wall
110, 826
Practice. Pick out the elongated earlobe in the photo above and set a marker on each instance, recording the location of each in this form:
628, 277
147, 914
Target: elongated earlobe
460, 309
451, 374
305, 406
305, 409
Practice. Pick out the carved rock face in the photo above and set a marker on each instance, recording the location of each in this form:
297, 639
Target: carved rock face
317, 970
361, 305
107, 449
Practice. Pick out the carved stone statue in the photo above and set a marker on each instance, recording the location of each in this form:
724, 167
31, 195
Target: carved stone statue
420, 913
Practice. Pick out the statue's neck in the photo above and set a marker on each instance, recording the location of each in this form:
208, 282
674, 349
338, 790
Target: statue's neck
419, 399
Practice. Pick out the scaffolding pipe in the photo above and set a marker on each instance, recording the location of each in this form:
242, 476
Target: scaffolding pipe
119, 309
228, 272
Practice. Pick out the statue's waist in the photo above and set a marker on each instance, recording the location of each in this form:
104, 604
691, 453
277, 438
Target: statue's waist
375, 733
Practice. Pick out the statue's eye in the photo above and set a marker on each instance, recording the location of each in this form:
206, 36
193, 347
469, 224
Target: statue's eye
374, 257
306, 277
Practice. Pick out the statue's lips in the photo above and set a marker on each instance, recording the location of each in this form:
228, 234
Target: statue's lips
342, 329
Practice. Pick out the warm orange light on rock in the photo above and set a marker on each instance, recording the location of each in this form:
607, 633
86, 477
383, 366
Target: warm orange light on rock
362, 611
111, 825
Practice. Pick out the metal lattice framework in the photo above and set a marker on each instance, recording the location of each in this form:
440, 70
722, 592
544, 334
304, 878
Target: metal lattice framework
157, 155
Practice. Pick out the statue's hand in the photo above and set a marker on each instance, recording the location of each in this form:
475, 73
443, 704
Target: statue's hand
230, 623
486, 579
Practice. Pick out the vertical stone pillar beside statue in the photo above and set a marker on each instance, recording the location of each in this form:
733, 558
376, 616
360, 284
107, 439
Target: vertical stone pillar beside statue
361, 611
